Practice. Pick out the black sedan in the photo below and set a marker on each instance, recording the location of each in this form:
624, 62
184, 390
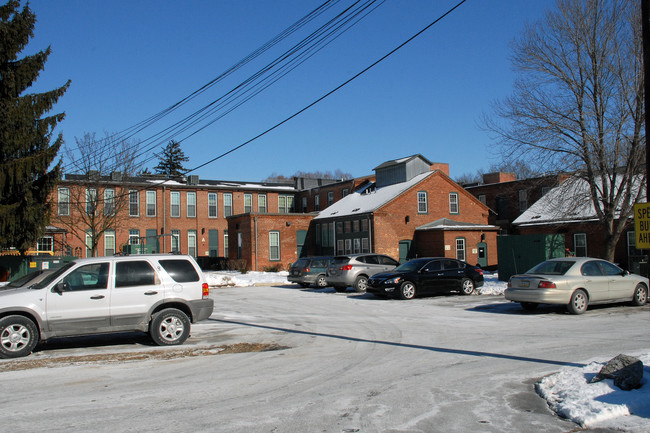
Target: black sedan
426, 276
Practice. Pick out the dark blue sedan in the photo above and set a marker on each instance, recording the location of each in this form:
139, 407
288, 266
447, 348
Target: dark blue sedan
427, 276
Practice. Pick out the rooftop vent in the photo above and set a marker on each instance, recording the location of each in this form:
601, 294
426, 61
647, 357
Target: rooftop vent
193, 179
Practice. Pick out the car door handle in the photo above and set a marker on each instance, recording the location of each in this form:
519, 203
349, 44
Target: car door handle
97, 297
151, 293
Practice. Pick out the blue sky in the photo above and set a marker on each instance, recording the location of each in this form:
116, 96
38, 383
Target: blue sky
129, 60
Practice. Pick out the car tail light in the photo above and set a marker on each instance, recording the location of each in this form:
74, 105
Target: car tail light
346, 268
546, 285
206, 290
307, 270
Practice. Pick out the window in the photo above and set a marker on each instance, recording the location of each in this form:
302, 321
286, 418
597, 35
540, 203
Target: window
227, 204
357, 246
304, 204
365, 245
482, 199
89, 244
317, 202
422, 202
191, 204
460, 249
325, 236
285, 203
545, 190
225, 243
355, 226
339, 227
109, 201
151, 203
580, 244
191, 243
212, 205
348, 226
213, 243
175, 204
248, 203
453, 202
339, 246
330, 198
274, 245
364, 225
45, 244
523, 199
134, 237
176, 241
91, 201
134, 203
180, 270
345, 192
135, 273
64, 201
109, 243
348, 246
261, 203
87, 277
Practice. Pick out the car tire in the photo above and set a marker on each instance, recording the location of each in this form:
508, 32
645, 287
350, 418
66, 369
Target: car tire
321, 282
18, 336
170, 327
529, 306
360, 284
407, 290
467, 286
579, 302
640, 295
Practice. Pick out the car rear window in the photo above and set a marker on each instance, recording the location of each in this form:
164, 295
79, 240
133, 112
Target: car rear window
552, 267
181, 271
319, 263
300, 263
340, 260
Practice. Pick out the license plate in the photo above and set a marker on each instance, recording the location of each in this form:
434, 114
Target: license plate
524, 283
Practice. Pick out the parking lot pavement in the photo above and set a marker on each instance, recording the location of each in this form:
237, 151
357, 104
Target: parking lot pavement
315, 360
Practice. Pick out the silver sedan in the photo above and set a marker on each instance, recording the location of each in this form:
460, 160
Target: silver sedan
576, 282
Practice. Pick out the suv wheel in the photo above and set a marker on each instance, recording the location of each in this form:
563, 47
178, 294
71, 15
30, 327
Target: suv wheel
18, 336
361, 283
170, 327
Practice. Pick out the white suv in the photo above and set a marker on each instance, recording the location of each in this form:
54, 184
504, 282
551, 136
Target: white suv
159, 294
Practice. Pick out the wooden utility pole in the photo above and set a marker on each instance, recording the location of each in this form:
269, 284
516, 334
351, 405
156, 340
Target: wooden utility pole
645, 28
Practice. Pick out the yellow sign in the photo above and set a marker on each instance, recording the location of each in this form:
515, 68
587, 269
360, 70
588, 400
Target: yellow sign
642, 225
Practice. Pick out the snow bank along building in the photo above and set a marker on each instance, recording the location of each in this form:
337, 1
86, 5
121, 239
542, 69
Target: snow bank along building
409, 208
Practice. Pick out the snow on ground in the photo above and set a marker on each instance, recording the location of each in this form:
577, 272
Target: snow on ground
568, 392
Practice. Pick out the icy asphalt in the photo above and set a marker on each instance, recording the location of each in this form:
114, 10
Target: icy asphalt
342, 363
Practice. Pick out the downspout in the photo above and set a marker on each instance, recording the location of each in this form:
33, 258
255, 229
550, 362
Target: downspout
371, 223
255, 240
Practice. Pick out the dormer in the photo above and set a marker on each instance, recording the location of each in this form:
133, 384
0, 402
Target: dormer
405, 169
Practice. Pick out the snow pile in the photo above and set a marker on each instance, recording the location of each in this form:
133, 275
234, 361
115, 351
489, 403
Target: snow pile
601, 404
251, 278
492, 285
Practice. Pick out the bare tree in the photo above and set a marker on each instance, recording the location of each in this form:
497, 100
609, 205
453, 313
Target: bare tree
98, 197
578, 104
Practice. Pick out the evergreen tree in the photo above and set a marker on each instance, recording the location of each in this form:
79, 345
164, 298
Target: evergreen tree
26, 151
170, 161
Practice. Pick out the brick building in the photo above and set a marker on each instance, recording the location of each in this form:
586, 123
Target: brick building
402, 210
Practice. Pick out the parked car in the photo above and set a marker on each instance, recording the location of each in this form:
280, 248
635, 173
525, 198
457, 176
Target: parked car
355, 269
309, 270
576, 282
427, 276
158, 294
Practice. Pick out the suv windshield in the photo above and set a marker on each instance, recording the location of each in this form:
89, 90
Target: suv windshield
53, 276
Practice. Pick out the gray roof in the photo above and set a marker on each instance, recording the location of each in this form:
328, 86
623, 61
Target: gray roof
449, 224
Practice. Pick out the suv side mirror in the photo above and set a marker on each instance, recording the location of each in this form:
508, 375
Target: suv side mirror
61, 286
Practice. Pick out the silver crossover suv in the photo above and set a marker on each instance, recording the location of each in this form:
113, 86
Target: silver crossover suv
355, 269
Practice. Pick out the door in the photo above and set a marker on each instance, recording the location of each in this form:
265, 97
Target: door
596, 283
404, 251
482, 254
620, 285
301, 235
80, 301
432, 278
137, 289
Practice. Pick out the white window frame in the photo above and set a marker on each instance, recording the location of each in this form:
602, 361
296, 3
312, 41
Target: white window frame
423, 204
454, 207
583, 238
91, 201
213, 205
151, 203
261, 203
330, 198
134, 203
248, 203
357, 245
191, 243
109, 201
191, 204
63, 201
227, 204
274, 246
461, 249
225, 243
176, 241
175, 204
134, 236
348, 246
46, 243
109, 243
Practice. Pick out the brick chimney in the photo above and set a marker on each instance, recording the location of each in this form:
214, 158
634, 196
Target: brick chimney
498, 177
442, 166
